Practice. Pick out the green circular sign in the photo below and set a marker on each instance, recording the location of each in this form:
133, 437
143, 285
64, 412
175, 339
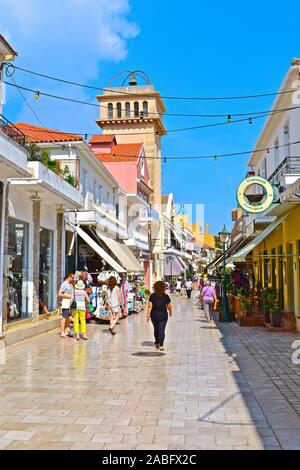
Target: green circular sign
256, 202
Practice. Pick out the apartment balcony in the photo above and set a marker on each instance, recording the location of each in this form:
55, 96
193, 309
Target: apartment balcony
13, 155
12, 131
101, 219
49, 186
137, 239
287, 172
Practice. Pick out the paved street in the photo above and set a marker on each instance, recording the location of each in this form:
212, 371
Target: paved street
216, 387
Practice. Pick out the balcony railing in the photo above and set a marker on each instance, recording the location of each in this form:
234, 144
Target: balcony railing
289, 166
12, 131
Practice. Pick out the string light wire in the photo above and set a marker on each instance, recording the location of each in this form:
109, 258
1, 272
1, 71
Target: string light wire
186, 98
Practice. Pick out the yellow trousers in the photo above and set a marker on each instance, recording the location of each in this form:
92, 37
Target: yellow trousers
79, 315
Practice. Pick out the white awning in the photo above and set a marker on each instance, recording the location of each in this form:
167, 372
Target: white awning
240, 255
97, 248
123, 253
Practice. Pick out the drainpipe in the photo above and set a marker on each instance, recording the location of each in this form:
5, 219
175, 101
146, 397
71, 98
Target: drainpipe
2, 232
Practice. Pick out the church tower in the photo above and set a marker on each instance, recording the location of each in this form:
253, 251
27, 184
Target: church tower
134, 113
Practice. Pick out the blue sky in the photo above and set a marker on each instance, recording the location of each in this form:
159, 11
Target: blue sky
190, 49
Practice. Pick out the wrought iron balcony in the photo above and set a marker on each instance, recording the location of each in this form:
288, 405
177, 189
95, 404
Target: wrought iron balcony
12, 131
289, 166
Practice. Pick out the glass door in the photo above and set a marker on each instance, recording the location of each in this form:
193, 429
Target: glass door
46, 269
281, 278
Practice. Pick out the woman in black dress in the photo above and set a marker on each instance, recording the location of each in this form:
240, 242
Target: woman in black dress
159, 308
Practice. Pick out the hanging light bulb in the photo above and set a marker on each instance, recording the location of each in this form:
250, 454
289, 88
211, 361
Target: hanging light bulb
85, 136
215, 158
37, 95
268, 150
165, 159
229, 119
250, 120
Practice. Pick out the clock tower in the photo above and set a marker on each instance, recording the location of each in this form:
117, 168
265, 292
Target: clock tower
134, 113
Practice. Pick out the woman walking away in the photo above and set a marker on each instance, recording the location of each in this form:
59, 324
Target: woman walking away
114, 302
189, 288
209, 300
80, 298
158, 309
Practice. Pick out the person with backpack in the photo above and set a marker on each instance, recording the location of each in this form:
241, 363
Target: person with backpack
209, 299
78, 306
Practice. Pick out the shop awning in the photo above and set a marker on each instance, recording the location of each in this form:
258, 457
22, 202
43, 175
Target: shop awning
97, 248
175, 268
123, 253
220, 259
240, 255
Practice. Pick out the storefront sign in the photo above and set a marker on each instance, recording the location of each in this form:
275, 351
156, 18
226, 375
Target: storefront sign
255, 202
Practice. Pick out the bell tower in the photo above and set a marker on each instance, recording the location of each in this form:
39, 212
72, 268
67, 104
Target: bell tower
134, 113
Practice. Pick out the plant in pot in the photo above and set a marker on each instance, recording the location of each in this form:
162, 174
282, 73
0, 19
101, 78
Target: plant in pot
245, 304
275, 315
268, 298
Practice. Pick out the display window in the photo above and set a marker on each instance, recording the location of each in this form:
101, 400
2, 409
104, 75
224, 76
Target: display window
17, 275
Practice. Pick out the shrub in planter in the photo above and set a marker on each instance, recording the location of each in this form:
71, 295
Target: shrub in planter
245, 304
275, 315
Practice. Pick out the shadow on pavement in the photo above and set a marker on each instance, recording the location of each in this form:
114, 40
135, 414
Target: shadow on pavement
148, 354
147, 343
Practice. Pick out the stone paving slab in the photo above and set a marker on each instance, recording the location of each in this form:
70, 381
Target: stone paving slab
217, 386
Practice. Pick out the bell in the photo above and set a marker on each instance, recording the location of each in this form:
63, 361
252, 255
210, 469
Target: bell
132, 81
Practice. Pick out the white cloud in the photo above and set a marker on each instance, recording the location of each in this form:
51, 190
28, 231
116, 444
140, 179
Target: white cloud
67, 38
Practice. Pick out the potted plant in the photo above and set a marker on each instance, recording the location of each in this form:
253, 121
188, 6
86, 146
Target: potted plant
275, 315
245, 304
268, 298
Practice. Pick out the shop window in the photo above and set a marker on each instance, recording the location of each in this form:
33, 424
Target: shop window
127, 110
46, 293
119, 110
136, 109
17, 277
110, 109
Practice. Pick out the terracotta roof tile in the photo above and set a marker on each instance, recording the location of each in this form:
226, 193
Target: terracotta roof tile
102, 139
122, 153
38, 134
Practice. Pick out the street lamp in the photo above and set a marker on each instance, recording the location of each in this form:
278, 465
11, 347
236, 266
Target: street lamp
170, 259
224, 237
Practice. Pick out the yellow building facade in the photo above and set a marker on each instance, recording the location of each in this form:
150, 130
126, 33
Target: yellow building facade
276, 262
203, 237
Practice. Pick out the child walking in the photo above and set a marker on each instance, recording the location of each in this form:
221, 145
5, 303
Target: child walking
79, 313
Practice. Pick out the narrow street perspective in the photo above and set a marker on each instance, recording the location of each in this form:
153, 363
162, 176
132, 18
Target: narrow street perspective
214, 387
149, 231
